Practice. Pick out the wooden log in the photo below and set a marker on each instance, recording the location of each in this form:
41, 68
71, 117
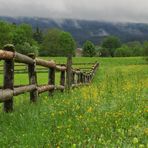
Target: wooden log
76, 71
6, 95
9, 78
48, 64
23, 58
45, 88
89, 78
6, 55
73, 77
85, 68
60, 68
51, 79
69, 72
32, 78
62, 78
23, 89
84, 77
60, 87
83, 63
79, 78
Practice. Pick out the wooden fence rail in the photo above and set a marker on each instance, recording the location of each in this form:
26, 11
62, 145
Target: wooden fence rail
69, 77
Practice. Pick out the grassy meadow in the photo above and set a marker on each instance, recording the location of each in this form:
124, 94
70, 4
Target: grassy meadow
111, 112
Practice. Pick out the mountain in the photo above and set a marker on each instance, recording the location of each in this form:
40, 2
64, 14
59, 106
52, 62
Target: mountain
83, 30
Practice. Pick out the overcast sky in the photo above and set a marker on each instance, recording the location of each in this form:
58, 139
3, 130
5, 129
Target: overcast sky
107, 10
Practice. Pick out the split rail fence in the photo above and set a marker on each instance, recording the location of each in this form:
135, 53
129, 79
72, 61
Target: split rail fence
69, 77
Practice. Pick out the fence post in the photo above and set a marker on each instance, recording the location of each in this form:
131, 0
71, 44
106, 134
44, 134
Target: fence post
62, 78
81, 77
32, 78
9, 77
85, 78
73, 77
51, 79
78, 78
69, 72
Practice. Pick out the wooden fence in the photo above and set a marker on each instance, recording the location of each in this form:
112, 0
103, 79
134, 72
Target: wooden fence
69, 77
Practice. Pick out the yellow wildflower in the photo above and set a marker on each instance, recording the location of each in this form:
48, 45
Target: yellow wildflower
89, 110
135, 140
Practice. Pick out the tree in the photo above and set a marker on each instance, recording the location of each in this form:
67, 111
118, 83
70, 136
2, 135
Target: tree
136, 48
111, 43
89, 49
67, 44
23, 39
145, 46
123, 51
38, 36
26, 48
58, 43
104, 52
22, 33
6, 35
19, 35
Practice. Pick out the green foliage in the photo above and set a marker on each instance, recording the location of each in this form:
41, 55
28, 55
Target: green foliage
26, 48
58, 43
6, 35
111, 43
123, 51
136, 48
130, 49
19, 35
22, 34
38, 36
89, 49
111, 46
104, 52
145, 47
67, 44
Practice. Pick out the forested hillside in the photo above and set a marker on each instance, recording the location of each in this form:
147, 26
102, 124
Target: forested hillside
88, 30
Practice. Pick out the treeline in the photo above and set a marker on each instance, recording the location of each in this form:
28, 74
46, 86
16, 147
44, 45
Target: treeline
53, 42
111, 46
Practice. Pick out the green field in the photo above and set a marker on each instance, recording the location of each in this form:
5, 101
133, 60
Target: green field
111, 112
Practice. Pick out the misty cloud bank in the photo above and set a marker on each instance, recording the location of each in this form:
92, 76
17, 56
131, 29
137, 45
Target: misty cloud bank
103, 10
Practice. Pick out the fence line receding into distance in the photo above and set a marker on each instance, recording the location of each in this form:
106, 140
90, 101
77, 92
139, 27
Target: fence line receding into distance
69, 77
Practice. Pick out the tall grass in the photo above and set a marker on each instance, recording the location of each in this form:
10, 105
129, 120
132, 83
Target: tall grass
111, 112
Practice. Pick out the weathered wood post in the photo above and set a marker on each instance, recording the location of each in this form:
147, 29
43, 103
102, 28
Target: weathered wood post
81, 77
85, 78
73, 77
62, 78
51, 79
32, 78
9, 77
88, 77
69, 72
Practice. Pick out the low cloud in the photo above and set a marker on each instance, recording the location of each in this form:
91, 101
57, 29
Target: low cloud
106, 10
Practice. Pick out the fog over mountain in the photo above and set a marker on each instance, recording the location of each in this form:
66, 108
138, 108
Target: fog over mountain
104, 10
83, 30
